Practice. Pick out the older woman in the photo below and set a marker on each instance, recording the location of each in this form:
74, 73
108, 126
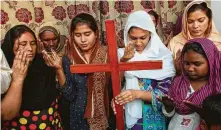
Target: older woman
50, 38
37, 93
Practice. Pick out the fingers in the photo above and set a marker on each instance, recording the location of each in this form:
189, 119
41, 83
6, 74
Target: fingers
51, 60
191, 105
166, 97
130, 47
20, 65
47, 58
54, 55
129, 51
40, 46
23, 58
194, 107
124, 97
113, 107
20, 58
16, 58
125, 100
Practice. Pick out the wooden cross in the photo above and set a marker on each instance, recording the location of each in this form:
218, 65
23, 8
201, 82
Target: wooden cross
114, 67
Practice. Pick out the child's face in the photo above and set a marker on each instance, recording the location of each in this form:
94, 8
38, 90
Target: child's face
196, 66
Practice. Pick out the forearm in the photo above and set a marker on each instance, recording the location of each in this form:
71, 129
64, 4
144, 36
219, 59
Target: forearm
144, 95
61, 76
11, 103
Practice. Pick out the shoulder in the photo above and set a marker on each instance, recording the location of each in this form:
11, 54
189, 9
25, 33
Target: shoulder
103, 49
176, 39
218, 45
177, 79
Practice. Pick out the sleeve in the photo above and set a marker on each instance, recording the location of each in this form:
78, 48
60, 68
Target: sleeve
5, 73
68, 90
120, 53
162, 87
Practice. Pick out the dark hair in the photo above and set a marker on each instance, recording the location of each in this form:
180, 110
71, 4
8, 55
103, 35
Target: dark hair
203, 7
212, 109
153, 13
9, 41
196, 47
84, 18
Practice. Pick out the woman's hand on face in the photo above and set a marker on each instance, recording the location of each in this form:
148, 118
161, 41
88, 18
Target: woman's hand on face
20, 66
126, 96
53, 60
40, 46
128, 52
167, 102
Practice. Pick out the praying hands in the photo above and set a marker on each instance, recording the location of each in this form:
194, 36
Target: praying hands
52, 60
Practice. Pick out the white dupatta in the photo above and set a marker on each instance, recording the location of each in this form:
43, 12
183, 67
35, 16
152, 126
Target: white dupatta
6, 72
155, 50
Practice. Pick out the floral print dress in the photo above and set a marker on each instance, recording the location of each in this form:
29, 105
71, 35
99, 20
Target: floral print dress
153, 118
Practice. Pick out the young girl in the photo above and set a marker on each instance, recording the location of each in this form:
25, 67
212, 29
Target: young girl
201, 77
142, 109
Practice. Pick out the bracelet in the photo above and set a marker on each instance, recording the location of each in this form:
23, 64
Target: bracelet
170, 114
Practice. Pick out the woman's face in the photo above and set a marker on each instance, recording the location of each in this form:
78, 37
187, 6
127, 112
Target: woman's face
84, 37
154, 20
196, 66
50, 40
197, 23
139, 37
26, 42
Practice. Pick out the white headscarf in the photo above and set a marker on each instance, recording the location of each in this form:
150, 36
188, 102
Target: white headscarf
6, 72
155, 50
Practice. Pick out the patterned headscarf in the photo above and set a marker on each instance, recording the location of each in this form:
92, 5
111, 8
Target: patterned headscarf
181, 84
97, 99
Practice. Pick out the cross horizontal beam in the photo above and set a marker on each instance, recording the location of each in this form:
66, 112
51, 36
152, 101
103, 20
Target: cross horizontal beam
138, 65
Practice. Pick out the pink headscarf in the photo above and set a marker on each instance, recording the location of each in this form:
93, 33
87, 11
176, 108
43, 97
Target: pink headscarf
181, 84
